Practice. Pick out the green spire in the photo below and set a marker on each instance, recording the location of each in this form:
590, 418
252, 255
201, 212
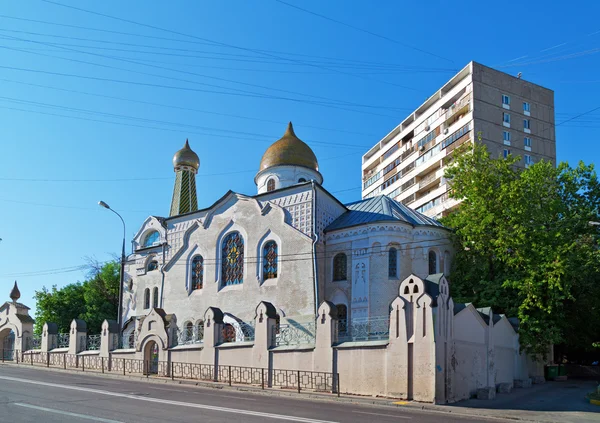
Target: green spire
186, 164
184, 193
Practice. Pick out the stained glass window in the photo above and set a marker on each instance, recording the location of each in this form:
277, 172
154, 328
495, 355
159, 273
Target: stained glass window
197, 272
393, 263
340, 267
153, 265
228, 333
270, 185
151, 238
432, 262
270, 260
147, 298
232, 259
155, 297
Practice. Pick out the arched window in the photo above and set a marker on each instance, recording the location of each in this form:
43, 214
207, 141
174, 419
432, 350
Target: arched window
200, 331
151, 238
188, 332
152, 265
147, 298
342, 316
340, 267
232, 259
301, 180
277, 323
155, 297
197, 272
270, 260
270, 185
228, 333
393, 263
432, 262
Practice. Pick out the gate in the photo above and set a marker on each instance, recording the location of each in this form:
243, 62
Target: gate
153, 358
8, 347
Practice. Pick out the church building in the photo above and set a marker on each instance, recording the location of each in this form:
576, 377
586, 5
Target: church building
290, 287
292, 244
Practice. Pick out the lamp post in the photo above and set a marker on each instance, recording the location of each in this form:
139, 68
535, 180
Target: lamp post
122, 273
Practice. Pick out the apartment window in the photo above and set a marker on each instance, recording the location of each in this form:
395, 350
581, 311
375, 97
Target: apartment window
527, 142
528, 160
526, 124
506, 153
506, 118
505, 100
526, 107
506, 136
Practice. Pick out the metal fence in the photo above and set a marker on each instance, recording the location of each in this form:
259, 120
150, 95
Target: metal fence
128, 341
63, 340
238, 332
190, 335
294, 334
93, 342
368, 329
276, 378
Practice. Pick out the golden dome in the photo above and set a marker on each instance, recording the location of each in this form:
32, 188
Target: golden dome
289, 150
186, 157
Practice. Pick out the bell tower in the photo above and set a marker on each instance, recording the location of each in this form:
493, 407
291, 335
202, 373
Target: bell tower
186, 164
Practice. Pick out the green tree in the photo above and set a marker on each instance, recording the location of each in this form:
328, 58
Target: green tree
524, 245
92, 300
59, 306
101, 294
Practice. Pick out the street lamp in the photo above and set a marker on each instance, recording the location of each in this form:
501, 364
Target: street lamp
122, 273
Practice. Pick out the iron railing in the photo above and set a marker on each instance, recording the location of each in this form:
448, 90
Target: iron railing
63, 340
128, 341
238, 332
367, 329
266, 378
190, 335
93, 342
295, 334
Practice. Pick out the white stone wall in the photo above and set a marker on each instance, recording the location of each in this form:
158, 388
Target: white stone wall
292, 290
285, 176
369, 245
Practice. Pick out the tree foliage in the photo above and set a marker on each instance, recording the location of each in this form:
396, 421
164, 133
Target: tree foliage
92, 300
525, 246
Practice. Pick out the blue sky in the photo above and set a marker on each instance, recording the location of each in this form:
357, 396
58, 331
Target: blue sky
93, 108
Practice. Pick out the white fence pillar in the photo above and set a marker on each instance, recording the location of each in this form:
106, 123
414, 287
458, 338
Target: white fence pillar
77, 336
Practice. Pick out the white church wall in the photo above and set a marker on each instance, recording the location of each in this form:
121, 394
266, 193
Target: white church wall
471, 354
292, 359
285, 176
369, 245
292, 290
362, 370
504, 348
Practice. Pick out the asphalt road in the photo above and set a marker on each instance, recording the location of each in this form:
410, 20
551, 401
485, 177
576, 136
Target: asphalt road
34, 395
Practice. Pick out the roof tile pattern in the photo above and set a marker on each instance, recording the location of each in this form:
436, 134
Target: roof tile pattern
380, 209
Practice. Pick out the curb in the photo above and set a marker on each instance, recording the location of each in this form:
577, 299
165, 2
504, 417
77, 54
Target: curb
386, 402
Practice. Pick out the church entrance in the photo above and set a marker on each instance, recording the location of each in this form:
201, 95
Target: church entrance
151, 357
8, 344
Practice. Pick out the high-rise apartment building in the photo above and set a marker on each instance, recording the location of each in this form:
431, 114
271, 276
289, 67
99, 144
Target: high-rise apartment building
479, 104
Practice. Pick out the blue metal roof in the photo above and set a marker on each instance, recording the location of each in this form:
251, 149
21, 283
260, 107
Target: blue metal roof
380, 209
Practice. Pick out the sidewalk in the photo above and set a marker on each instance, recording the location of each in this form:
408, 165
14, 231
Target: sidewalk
549, 402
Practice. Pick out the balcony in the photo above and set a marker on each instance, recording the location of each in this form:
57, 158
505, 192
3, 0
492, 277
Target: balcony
455, 109
408, 152
429, 180
411, 198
